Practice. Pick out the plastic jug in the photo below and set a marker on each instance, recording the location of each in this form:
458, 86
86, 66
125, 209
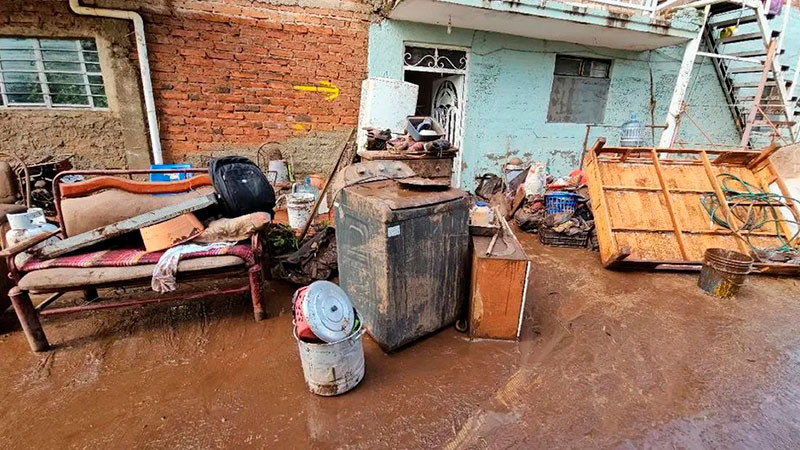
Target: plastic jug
632, 133
481, 215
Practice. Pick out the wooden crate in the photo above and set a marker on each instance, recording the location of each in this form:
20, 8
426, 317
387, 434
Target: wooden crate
498, 288
647, 209
426, 166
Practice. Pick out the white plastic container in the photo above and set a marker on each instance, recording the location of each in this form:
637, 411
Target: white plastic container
334, 368
481, 215
280, 169
25, 226
299, 206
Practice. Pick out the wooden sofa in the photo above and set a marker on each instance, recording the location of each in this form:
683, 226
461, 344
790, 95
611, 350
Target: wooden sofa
59, 280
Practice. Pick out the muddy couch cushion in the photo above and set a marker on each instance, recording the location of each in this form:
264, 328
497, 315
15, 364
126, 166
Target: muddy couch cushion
74, 277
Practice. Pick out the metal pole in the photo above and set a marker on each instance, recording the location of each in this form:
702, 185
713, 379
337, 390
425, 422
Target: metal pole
682, 83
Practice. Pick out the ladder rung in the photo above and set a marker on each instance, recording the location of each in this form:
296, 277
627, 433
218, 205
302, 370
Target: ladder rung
746, 37
733, 22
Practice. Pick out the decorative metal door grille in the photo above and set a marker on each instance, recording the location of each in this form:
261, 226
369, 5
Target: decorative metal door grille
446, 111
432, 59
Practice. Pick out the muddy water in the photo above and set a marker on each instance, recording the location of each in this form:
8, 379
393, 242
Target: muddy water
607, 359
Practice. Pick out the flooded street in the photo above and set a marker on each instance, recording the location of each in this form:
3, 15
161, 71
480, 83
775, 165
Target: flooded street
606, 360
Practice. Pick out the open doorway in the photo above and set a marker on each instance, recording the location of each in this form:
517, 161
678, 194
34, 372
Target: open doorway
440, 75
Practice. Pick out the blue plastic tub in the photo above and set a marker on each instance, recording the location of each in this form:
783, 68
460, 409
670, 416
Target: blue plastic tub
175, 176
560, 202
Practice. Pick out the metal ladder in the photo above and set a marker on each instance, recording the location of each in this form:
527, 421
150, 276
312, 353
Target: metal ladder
747, 63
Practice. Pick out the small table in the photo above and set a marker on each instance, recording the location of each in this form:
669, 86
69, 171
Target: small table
426, 166
498, 288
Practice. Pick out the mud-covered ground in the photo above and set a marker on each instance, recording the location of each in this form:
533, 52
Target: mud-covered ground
606, 360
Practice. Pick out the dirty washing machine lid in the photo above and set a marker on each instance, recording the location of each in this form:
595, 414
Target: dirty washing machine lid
328, 311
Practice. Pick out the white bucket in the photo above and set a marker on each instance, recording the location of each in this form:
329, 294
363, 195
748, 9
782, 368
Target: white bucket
280, 169
334, 368
300, 207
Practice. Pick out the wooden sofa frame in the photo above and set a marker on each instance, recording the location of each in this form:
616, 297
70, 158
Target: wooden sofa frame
29, 315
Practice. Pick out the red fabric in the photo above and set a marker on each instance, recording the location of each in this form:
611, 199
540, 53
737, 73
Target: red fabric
131, 257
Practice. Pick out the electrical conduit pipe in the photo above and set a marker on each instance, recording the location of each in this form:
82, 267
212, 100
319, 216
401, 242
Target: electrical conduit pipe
144, 65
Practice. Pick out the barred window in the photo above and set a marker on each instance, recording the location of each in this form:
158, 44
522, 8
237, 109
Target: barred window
50, 73
580, 90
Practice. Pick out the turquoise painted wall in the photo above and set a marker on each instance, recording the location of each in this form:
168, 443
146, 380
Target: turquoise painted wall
508, 89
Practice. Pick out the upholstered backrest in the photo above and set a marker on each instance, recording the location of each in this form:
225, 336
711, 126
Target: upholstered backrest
105, 200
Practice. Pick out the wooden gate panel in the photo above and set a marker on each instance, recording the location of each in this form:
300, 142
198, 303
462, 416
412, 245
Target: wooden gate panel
648, 210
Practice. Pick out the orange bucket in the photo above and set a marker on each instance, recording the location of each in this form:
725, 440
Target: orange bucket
170, 233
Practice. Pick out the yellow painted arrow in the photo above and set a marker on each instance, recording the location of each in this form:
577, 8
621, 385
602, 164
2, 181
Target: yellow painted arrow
324, 86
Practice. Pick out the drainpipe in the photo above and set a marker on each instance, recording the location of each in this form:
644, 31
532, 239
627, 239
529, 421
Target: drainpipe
144, 65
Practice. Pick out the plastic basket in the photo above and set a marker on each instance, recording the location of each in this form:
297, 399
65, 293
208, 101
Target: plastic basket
549, 237
560, 202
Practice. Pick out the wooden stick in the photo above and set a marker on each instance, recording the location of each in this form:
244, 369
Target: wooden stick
491, 244
676, 223
327, 184
723, 201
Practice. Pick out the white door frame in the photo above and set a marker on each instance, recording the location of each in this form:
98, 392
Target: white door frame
457, 161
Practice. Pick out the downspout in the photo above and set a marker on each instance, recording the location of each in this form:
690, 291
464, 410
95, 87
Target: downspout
144, 66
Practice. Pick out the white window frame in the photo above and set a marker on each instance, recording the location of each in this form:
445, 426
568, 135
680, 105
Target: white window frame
43, 83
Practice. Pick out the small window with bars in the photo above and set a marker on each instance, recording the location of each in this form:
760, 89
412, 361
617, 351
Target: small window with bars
50, 73
580, 90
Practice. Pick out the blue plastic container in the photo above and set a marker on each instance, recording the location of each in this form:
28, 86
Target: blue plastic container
558, 202
175, 176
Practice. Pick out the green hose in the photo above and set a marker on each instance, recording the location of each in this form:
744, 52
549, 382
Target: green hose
755, 217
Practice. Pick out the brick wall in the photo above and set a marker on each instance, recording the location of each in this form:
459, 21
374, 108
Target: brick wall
223, 74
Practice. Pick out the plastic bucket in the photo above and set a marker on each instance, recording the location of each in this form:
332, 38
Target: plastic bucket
299, 207
333, 368
724, 272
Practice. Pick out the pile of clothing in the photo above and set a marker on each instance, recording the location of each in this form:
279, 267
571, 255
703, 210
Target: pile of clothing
531, 214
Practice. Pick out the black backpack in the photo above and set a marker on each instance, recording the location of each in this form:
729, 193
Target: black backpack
241, 186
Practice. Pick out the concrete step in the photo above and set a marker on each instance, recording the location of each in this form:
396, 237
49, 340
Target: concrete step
761, 53
753, 69
734, 21
754, 84
775, 123
745, 37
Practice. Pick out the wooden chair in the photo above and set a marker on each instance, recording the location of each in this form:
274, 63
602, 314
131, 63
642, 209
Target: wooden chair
59, 280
